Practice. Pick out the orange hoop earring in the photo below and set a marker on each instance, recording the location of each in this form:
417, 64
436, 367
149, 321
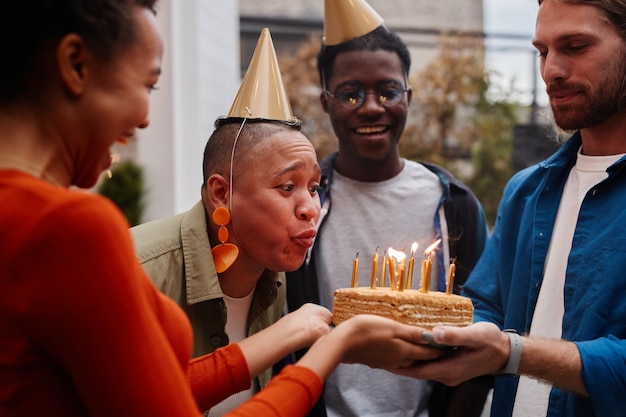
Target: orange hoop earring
224, 254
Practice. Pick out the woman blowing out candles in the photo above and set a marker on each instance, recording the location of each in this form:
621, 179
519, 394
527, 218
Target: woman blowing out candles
84, 332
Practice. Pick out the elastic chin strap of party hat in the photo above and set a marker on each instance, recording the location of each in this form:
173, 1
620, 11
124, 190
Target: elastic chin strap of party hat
232, 161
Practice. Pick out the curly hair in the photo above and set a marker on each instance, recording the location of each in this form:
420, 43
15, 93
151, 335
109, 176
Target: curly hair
379, 39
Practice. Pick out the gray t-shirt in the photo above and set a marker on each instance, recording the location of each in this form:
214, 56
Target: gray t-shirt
363, 215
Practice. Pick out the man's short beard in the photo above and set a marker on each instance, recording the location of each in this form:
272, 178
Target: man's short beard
605, 101
567, 117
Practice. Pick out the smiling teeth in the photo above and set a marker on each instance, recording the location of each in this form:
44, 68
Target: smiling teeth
369, 130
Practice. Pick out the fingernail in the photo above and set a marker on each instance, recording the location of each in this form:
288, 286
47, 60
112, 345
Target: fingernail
438, 335
428, 336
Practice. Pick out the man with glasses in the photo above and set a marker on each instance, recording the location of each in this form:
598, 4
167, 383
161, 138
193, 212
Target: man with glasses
374, 199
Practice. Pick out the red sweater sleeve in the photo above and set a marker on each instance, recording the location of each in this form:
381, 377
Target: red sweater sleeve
292, 393
226, 365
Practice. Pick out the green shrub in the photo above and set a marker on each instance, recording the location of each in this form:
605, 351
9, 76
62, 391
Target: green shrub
126, 189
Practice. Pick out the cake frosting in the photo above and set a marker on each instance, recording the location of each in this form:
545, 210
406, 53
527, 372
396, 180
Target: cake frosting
423, 309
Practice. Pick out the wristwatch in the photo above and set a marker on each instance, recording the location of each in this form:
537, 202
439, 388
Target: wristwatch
512, 365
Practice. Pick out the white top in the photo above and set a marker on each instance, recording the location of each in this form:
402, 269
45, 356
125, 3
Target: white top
236, 319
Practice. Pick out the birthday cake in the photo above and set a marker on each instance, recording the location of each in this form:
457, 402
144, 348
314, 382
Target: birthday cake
423, 309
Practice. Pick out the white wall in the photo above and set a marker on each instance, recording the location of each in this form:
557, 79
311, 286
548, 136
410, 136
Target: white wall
199, 81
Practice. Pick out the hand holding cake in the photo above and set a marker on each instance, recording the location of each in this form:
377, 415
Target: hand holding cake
371, 340
485, 351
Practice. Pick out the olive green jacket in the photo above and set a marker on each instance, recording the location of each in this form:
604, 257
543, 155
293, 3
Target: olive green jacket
175, 252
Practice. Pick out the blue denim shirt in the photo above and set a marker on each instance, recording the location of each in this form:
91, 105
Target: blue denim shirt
505, 283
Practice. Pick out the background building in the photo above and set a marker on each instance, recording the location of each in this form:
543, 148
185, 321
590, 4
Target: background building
418, 22
199, 79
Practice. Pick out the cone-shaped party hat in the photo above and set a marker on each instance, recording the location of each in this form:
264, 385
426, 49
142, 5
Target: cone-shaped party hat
348, 19
261, 94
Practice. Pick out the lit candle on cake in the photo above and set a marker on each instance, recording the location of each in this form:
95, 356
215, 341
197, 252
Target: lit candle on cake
427, 266
423, 281
398, 257
450, 281
355, 271
401, 271
409, 275
392, 269
383, 269
374, 268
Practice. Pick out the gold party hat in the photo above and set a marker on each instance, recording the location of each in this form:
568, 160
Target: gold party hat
261, 94
348, 19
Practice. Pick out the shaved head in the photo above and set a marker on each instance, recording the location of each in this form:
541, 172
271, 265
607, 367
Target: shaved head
219, 147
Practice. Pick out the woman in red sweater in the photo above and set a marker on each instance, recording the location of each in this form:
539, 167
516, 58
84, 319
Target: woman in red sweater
83, 332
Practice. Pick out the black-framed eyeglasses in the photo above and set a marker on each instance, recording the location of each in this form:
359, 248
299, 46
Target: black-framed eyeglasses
352, 96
